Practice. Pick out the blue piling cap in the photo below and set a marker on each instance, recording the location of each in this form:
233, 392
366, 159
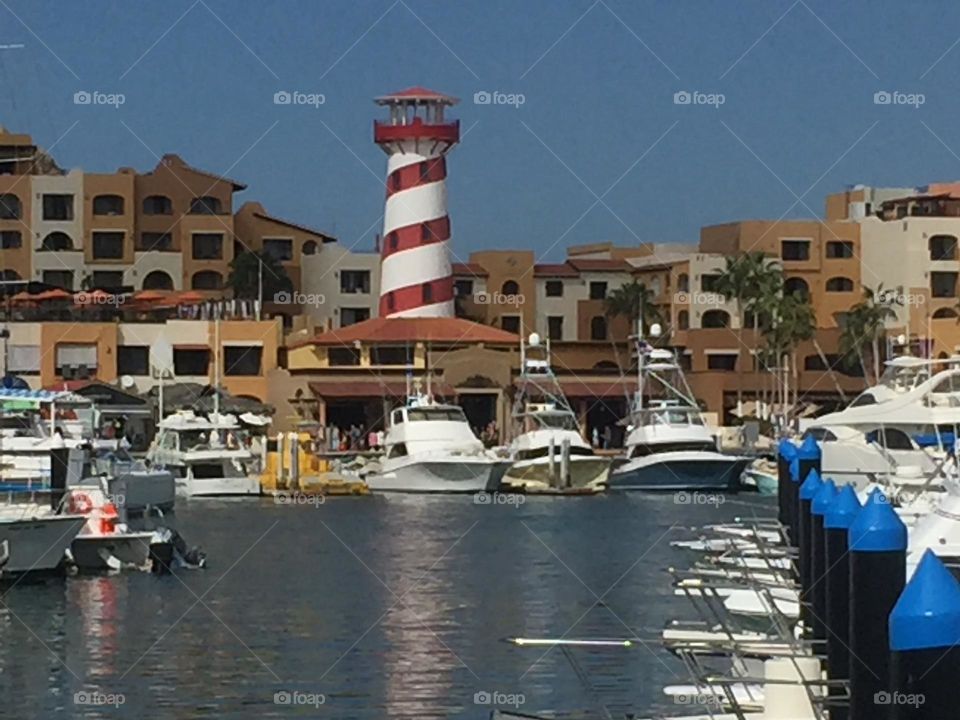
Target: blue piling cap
877, 528
786, 449
795, 469
927, 615
824, 498
843, 510
809, 449
811, 486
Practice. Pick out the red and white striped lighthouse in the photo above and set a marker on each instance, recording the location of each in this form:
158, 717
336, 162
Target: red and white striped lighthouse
416, 279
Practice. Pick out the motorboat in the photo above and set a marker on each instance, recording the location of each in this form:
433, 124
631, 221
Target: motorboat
208, 456
430, 448
105, 543
669, 447
37, 539
548, 449
140, 486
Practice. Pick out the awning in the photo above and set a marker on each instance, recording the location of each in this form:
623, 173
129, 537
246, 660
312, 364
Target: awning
362, 389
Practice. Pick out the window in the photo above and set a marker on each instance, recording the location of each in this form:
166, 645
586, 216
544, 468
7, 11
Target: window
208, 246
426, 292
58, 207
683, 320
108, 246
510, 288
814, 363
598, 328
158, 280
463, 288
554, 288
206, 206
133, 360
839, 250
355, 282
242, 359
56, 242
191, 361
157, 205
683, 282
279, 249
310, 247
715, 319
10, 207
75, 360
155, 242
391, 355
342, 356
510, 323
722, 362
555, 327
10, 239
207, 280
709, 282
59, 278
796, 286
598, 290
24, 359
943, 284
839, 284
106, 279
351, 316
795, 250
944, 313
943, 247
108, 205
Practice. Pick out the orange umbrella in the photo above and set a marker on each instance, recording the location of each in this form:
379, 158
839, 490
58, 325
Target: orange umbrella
98, 297
150, 296
55, 294
190, 298
22, 297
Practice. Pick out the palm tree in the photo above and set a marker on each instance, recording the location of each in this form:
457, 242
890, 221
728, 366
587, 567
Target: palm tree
630, 301
250, 268
792, 321
863, 327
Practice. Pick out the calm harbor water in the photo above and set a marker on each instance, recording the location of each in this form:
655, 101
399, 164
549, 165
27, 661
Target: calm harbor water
390, 607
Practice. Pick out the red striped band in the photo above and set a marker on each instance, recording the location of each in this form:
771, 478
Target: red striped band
414, 296
414, 236
417, 174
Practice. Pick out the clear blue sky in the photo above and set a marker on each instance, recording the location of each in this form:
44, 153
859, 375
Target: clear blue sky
598, 79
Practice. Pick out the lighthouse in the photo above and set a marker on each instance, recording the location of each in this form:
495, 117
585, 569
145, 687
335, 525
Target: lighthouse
416, 279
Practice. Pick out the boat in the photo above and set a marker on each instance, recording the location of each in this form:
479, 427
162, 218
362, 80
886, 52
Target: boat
141, 487
430, 448
548, 450
37, 539
104, 543
761, 476
208, 456
669, 447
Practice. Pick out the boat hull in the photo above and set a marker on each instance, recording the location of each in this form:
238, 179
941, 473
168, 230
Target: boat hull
242, 485
92, 552
537, 474
454, 475
679, 471
38, 544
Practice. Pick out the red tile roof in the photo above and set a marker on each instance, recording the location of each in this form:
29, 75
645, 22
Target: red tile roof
471, 269
554, 270
174, 160
296, 226
406, 330
417, 93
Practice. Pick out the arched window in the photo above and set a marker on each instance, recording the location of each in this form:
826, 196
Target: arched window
839, 284
310, 247
157, 280
108, 205
944, 313
796, 286
10, 207
683, 320
207, 280
9, 275
510, 288
206, 205
715, 319
683, 282
157, 205
57, 241
598, 328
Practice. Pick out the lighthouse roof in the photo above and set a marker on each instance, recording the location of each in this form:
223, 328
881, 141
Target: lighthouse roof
417, 94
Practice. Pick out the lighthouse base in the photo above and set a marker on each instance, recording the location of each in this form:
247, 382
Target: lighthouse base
436, 310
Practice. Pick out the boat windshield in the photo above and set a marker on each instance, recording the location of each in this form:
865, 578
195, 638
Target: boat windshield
673, 416
554, 420
904, 377
453, 414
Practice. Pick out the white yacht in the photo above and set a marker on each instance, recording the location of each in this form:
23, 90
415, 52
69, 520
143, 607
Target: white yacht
208, 456
669, 447
548, 449
430, 448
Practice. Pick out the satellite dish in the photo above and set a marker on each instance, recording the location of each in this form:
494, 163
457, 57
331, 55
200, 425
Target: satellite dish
655, 330
534, 340
127, 382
